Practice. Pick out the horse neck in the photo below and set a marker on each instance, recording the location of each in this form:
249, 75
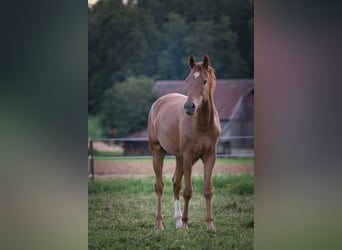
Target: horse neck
206, 113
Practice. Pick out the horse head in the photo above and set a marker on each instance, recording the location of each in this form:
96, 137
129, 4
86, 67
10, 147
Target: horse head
199, 83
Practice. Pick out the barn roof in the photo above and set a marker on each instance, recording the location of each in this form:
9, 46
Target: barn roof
226, 95
138, 134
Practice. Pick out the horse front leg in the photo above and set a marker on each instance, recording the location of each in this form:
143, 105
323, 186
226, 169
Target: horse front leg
177, 185
158, 157
187, 194
209, 161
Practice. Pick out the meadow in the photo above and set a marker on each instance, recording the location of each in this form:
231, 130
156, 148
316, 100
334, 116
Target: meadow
121, 215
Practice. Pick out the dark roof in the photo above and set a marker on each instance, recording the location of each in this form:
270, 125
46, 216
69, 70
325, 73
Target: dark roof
226, 95
138, 134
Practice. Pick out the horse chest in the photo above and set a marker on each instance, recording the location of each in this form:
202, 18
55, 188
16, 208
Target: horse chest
199, 142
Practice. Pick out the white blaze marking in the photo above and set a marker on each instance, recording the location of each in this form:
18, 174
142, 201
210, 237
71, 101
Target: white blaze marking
178, 214
196, 74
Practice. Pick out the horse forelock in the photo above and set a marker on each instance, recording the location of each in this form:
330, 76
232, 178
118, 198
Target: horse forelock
198, 67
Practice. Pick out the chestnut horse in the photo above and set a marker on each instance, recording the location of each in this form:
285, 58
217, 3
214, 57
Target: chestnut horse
187, 127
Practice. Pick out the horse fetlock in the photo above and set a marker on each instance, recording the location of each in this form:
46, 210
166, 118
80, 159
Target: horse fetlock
178, 214
179, 223
210, 220
159, 222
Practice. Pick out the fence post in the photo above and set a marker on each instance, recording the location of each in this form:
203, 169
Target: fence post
91, 158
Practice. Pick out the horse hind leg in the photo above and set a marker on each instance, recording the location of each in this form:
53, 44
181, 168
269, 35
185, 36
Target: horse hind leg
177, 185
158, 154
209, 162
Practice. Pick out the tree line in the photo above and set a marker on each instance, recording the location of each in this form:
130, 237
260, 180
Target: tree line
145, 40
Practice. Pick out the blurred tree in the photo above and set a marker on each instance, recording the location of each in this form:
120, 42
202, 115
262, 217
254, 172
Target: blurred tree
219, 42
126, 106
123, 41
94, 127
156, 9
173, 59
241, 14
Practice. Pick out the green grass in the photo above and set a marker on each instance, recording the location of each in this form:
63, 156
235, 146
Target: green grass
106, 153
121, 215
219, 161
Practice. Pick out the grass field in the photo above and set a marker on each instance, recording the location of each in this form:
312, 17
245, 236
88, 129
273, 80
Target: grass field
103, 154
172, 159
121, 215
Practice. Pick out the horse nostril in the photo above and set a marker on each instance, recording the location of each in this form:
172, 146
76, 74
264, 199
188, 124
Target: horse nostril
189, 105
189, 108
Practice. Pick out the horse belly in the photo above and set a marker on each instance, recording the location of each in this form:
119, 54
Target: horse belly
168, 136
168, 110
170, 144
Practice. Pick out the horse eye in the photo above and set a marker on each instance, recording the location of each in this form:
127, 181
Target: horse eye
204, 81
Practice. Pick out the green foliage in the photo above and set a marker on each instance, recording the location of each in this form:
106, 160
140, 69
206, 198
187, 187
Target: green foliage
94, 127
155, 38
126, 106
121, 215
173, 59
220, 42
122, 42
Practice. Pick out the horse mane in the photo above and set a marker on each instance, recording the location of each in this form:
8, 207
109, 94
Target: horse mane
212, 80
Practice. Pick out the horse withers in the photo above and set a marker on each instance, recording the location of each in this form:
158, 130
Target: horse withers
189, 128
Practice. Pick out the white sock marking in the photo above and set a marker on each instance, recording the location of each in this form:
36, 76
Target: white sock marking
178, 214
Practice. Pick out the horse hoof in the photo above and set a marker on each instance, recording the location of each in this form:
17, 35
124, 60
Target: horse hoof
211, 227
184, 226
159, 226
178, 223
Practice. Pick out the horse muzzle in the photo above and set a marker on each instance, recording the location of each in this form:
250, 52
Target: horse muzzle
189, 108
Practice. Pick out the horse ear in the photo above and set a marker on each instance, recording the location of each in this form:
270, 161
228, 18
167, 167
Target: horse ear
191, 61
206, 61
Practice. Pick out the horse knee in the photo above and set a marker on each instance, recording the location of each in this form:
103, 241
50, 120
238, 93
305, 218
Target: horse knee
159, 187
208, 193
187, 193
